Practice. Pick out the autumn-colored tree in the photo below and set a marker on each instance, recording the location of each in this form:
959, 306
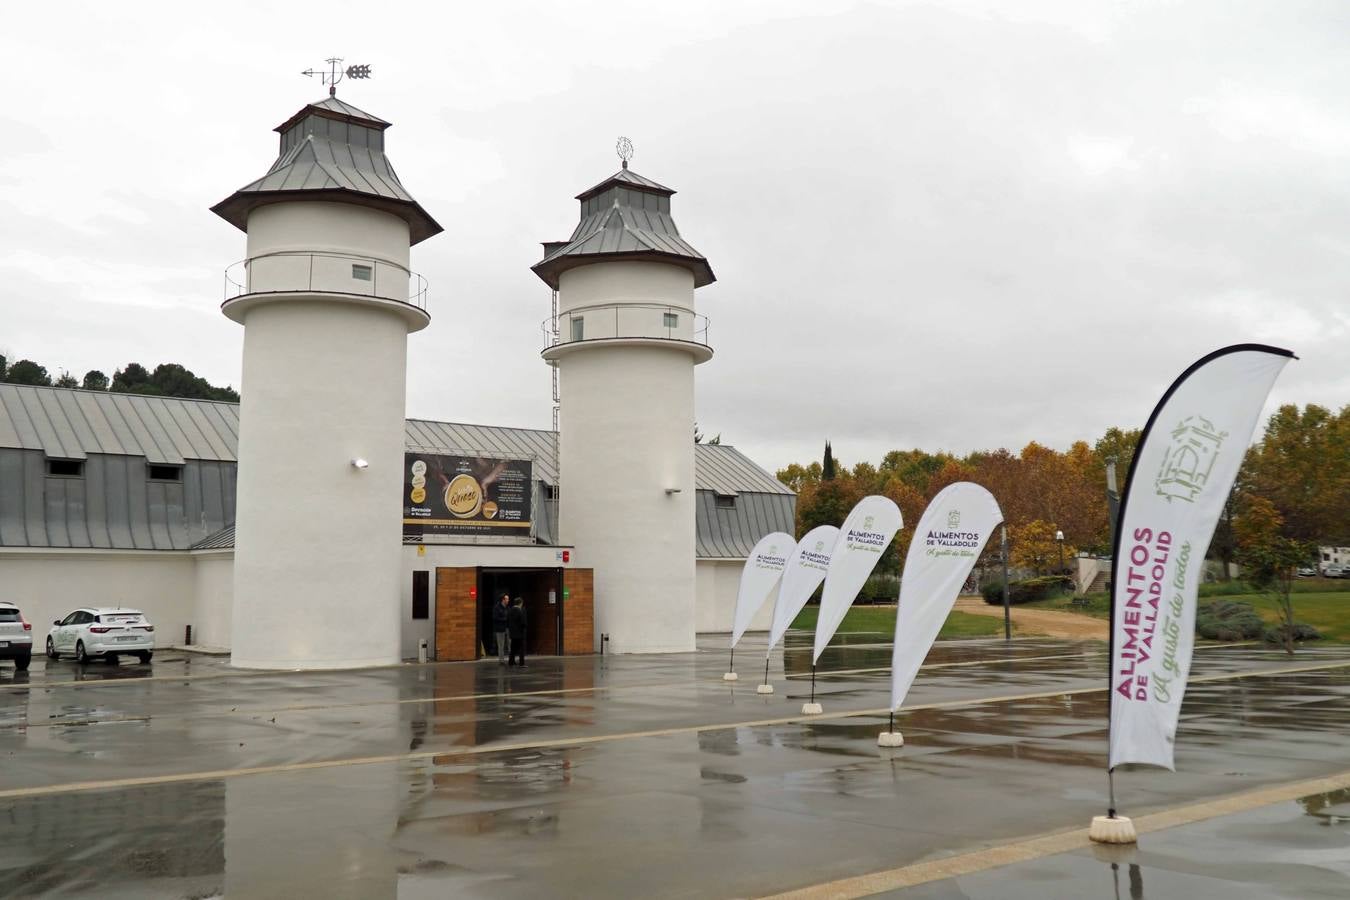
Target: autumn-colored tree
1270, 559
797, 476
1302, 466
1258, 523
1033, 546
912, 504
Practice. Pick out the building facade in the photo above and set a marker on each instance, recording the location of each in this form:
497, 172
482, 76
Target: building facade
121, 499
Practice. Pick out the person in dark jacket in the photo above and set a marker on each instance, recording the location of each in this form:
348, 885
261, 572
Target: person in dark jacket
500, 614
515, 624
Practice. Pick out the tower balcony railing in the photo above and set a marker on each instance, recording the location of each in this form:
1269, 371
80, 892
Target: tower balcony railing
605, 321
294, 271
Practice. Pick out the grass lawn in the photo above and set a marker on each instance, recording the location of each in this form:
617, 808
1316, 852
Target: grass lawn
1098, 605
873, 618
1326, 610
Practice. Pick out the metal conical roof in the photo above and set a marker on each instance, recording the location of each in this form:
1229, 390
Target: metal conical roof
330, 150
626, 216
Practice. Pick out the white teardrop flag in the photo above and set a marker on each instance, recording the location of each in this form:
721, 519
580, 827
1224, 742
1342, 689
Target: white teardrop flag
802, 574
1184, 466
865, 534
759, 578
943, 550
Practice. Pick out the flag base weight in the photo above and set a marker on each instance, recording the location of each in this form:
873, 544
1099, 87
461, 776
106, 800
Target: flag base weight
764, 689
890, 739
731, 676
1108, 830
811, 709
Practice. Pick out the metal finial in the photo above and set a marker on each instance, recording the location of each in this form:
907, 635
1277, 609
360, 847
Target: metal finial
336, 73
625, 150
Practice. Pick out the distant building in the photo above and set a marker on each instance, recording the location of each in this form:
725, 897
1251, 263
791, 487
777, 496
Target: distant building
1332, 556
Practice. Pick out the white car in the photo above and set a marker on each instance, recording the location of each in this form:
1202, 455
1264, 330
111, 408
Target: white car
95, 631
16, 636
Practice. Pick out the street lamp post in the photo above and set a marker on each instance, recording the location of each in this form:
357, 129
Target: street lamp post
1007, 614
1059, 539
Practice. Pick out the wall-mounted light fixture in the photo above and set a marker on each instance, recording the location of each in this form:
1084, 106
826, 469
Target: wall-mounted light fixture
670, 491
360, 463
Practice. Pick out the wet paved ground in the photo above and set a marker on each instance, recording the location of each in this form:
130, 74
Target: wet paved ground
638, 776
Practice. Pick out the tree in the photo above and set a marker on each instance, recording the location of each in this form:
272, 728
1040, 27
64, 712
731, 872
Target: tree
3, 367
66, 380
1270, 560
134, 379
827, 471
1302, 465
94, 380
25, 371
797, 476
1034, 547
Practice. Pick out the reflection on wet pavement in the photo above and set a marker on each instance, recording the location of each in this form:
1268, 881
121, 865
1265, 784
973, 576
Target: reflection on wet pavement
476, 780
1279, 852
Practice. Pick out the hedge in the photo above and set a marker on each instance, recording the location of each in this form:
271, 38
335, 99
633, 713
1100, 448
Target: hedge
1026, 591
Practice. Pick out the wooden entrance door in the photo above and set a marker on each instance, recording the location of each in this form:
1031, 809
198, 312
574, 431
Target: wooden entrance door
578, 612
456, 613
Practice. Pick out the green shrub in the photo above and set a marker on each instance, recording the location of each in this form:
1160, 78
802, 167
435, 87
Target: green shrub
880, 588
1027, 590
1277, 634
1228, 620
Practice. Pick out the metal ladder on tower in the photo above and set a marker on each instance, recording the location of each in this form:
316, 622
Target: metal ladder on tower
554, 337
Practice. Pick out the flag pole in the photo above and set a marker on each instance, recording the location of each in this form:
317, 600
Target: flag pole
766, 688
731, 667
811, 707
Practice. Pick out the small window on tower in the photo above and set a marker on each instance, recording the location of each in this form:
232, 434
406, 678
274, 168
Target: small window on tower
361, 273
65, 468
578, 328
166, 473
672, 320
726, 501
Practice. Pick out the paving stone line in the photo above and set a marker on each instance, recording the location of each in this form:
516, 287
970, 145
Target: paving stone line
1057, 842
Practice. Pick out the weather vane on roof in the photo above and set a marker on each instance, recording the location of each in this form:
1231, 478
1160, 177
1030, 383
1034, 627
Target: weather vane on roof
625, 150
336, 73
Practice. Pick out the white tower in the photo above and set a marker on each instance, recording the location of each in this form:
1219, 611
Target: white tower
625, 341
327, 302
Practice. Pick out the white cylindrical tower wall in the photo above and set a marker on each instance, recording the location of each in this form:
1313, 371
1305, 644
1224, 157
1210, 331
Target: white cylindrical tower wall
317, 553
627, 453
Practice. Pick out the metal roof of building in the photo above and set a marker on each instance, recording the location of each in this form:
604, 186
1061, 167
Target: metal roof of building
331, 150
70, 424
337, 108
626, 216
486, 440
221, 540
629, 177
114, 505
732, 532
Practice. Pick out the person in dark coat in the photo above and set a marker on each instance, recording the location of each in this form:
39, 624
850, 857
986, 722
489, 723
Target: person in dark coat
500, 614
515, 624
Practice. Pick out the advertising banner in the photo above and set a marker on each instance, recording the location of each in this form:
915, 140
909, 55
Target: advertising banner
863, 537
466, 495
802, 574
763, 569
946, 543
1184, 466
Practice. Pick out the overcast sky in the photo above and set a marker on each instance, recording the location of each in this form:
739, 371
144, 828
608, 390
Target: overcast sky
942, 224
